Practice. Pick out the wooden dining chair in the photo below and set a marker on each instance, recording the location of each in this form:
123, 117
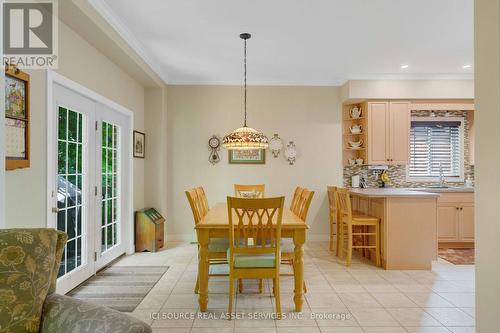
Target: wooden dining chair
333, 217
295, 199
249, 191
300, 208
203, 199
254, 242
349, 219
217, 248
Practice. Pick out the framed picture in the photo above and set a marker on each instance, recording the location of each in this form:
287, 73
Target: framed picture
139, 144
17, 118
251, 156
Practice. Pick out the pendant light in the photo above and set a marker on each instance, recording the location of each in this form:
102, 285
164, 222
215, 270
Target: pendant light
245, 137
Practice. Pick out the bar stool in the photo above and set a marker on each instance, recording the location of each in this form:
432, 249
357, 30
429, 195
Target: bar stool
349, 219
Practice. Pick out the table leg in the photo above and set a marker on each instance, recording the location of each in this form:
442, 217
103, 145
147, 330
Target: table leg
203, 268
299, 238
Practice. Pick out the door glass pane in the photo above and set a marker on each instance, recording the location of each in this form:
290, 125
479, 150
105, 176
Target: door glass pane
70, 190
110, 210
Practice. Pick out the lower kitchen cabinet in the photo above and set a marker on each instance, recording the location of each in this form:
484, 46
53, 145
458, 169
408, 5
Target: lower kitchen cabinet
448, 223
456, 219
467, 223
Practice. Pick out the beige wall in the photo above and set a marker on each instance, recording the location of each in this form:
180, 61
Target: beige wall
26, 189
487, 120
410, 89
155, 166
309, 116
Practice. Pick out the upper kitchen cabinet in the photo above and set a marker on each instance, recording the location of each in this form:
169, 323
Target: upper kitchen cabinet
388, 132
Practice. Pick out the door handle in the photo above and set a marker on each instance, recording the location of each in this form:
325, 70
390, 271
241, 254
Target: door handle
55, 210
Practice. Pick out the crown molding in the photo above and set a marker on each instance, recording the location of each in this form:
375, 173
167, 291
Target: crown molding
109, 16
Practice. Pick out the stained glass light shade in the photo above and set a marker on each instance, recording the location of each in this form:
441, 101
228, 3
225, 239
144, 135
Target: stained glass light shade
245, 138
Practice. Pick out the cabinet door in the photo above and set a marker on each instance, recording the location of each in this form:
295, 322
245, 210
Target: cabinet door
399, 132
448, 223
467, 223
378, 133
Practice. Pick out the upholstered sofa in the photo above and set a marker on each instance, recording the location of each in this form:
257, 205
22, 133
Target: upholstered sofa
29, 263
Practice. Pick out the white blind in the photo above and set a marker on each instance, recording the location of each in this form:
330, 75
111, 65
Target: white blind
433, 143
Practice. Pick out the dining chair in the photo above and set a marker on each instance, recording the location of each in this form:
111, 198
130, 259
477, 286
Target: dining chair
333, 217
300, 208
295, 199
349, 219
203, 200
217, 247
249, 191
254, 242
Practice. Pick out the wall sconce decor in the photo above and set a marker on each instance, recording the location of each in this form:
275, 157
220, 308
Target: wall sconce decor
214, 146
275, 144
290, 152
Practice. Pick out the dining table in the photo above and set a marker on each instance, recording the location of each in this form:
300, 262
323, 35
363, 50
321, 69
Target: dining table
215, 224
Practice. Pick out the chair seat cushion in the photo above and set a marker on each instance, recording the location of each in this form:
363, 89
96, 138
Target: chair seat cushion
243, 260
218, 245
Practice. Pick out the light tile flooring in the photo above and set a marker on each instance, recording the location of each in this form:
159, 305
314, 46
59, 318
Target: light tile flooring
359, 299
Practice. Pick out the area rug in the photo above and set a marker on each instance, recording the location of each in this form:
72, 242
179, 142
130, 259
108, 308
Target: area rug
119, 287
457, 256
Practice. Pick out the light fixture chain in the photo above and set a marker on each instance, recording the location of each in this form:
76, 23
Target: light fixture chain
245, 74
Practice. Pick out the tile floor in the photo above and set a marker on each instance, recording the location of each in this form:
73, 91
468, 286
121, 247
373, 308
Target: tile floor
359, 299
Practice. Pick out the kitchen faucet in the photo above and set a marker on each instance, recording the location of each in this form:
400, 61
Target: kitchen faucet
441, 175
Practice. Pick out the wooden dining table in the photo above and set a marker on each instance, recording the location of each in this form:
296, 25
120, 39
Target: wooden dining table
215, 224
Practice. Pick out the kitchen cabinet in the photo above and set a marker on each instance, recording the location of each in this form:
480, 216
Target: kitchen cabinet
448, 223
388, 132
467, 223
456, 219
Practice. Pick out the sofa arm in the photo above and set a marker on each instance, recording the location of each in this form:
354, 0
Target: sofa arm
63, 314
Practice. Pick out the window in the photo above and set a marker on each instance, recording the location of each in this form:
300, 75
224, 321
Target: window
436, 143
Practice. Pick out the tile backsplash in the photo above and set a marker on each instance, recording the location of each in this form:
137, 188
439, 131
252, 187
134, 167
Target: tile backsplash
397, 173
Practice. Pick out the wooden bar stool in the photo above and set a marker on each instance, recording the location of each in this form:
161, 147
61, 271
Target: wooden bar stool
348, 219
334, 217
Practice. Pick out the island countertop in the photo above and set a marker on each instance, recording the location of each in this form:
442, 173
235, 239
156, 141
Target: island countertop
391, 192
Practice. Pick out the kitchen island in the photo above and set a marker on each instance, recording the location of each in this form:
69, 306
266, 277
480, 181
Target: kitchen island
408, 224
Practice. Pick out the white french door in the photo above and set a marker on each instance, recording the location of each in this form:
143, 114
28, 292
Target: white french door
113, 145
89, 187
73, 140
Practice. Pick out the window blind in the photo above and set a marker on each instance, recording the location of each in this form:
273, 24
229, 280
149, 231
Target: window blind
433, 143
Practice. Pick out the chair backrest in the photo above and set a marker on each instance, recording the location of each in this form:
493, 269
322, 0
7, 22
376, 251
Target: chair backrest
196, 204
296, 197
255, 225
332, 204
249, 191
203, 198
304, 201
344, 205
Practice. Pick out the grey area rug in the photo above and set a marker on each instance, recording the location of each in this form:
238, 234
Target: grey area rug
119, 287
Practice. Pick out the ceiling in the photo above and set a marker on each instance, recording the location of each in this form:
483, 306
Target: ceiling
297, 42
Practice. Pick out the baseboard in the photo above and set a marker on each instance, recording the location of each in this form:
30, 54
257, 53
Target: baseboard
180, 237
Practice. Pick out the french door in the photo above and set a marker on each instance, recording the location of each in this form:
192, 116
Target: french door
89, 189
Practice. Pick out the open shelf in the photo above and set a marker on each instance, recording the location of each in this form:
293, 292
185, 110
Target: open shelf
348, 152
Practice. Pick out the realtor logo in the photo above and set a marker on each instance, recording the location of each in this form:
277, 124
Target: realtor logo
30, 33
